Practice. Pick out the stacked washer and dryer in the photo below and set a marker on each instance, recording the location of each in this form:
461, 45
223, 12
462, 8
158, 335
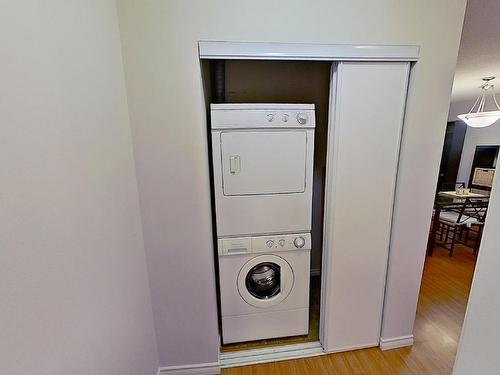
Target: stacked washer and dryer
263, 173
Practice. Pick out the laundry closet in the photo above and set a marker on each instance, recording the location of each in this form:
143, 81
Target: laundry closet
304, 158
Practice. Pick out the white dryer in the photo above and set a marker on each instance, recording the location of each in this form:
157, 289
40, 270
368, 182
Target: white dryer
264, 285
263, 167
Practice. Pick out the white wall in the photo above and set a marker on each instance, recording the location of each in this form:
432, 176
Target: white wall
459, 107
73, 284
168, 125
476, 137
480, 339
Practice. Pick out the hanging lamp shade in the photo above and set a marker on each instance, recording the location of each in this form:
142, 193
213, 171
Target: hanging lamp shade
477, 116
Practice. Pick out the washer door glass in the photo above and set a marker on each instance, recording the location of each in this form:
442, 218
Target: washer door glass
263, 281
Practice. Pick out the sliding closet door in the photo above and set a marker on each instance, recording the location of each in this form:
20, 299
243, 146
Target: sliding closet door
366, 118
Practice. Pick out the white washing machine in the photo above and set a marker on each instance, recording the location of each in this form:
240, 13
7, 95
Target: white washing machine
263, 167
263, 173
264, 285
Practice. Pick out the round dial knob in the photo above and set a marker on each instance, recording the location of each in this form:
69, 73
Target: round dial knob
270, 117
302, 118
299, 242
269, 243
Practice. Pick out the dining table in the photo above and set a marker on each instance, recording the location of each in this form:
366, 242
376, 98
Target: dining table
455, 195
446, 200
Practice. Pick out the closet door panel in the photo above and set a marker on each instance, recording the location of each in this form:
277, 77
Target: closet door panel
366, 121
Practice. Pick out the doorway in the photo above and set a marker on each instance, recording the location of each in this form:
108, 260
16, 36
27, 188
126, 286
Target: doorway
483, 168
460, 211
301, 82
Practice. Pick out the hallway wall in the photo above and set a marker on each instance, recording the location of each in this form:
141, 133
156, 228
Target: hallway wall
478, 347
74, 293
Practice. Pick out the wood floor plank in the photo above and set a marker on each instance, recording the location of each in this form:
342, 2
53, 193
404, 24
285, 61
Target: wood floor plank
441, 309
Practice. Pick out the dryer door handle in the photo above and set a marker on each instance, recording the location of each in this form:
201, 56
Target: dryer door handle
234, 164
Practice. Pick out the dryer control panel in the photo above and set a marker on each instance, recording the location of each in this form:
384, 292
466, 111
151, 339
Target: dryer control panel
264, 244
257, 116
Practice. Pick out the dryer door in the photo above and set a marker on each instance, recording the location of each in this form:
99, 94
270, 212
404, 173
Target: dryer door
265, 281
263, 162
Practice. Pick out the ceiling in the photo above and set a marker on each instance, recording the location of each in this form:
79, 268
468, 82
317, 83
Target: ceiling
479, 54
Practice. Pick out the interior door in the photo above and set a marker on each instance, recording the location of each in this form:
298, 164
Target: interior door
450, 157
263, 162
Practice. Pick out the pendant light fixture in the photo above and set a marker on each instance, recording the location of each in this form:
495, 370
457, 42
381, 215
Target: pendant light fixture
477, 116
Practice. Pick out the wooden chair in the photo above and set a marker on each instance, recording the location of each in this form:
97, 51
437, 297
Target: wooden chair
457, 222
479, 212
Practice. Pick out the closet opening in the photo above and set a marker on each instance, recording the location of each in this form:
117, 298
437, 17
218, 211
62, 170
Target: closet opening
273, 82
295, 147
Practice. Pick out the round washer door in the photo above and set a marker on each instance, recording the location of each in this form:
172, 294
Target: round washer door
265, 280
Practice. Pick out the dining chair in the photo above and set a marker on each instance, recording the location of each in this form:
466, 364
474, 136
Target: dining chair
456, 222
479, 212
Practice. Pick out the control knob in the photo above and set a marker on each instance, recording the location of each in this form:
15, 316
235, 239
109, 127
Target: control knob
299, 242
302, 118
270, 117
270, 243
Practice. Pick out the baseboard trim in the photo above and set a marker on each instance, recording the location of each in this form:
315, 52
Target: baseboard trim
196, 369
396, 342
351, 347
272, 354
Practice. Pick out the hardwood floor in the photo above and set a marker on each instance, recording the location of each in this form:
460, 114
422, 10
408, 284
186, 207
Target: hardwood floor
441, 308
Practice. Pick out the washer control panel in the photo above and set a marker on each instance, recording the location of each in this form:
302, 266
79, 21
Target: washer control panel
262, 244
